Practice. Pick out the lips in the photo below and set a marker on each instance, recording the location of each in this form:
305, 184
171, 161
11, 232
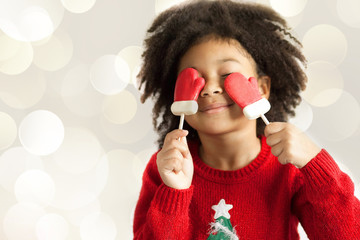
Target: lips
215, 107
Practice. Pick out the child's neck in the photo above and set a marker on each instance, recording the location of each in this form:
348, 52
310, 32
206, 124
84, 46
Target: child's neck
230, 151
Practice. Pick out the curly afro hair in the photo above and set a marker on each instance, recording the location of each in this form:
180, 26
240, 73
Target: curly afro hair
259, 29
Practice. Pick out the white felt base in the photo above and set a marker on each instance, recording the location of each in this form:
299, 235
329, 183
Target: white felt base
184, 107
257, 108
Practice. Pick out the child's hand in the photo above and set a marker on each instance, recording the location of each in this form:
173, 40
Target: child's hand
290, 144
174, 161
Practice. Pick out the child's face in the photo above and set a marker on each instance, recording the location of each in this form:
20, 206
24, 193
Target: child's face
214, 60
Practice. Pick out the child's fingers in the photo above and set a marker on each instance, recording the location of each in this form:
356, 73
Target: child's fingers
274, 127
172, 142
175, 135
274, 139
172, 161
277, 149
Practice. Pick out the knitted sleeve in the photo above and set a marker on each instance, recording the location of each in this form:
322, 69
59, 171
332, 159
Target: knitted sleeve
325, 203
161, 212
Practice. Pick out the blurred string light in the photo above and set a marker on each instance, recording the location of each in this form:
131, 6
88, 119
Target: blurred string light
78, 94
13, 162
35, 186
15, 56
288, 8
78, 6
74, 191
20, 221
80, 151
30, 20
8, 130
41, 132
140, 161
120, 108
129, 132
75, 216
33, 87
98, 226
342, 118
322, 76
303, 116
326, 43
132, 55
52, 226
118, 191
348, 11
55, 53
120, 163
110, 74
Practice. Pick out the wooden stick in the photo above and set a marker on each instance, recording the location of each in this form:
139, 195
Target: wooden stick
181, 124
264, 119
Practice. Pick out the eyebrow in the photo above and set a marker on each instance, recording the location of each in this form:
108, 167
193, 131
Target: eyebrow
228, 60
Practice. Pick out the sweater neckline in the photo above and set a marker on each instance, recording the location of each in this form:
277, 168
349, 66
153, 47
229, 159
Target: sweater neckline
233, 176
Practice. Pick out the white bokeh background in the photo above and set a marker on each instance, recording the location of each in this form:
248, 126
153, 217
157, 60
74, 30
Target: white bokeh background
74, 137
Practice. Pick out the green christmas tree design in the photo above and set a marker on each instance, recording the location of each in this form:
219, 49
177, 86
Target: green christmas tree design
222, 229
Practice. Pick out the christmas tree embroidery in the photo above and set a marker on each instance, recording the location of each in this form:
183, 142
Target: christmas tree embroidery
222, 229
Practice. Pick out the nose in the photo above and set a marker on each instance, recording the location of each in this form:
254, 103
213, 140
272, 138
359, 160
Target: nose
212, 87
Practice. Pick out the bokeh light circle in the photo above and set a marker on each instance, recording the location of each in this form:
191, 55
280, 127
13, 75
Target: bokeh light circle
30, 20
75, 216
35, 186
74, 191
78, 94
55, 53
121, 191
23, 91
79, 152
340, 120
78, 6
109, 74
121, 162
288, 8
8, 47
98, 226
325, 43
41, 132
20, 221
120, 108
303, 116
52, 226
141, 160
322, 76
132, 131
15, 161
8, 130
348, 11
132, 55
20, 59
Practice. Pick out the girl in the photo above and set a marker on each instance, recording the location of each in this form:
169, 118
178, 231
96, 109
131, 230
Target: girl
229, 177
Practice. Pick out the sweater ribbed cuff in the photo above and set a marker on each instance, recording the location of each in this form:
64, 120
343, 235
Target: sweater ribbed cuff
321, 170
172, 201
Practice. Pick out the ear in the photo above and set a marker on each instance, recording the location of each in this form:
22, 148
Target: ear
264, 83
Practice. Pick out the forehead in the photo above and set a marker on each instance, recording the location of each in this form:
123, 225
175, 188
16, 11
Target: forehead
212, 50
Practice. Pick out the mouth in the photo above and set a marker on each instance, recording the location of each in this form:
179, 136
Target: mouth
215, 107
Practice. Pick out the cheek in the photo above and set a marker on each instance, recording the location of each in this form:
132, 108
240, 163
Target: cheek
192, 120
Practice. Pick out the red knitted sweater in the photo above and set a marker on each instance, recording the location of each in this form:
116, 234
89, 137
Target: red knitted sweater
264, 200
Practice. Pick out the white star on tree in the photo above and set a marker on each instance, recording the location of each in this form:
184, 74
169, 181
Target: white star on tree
221, 210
